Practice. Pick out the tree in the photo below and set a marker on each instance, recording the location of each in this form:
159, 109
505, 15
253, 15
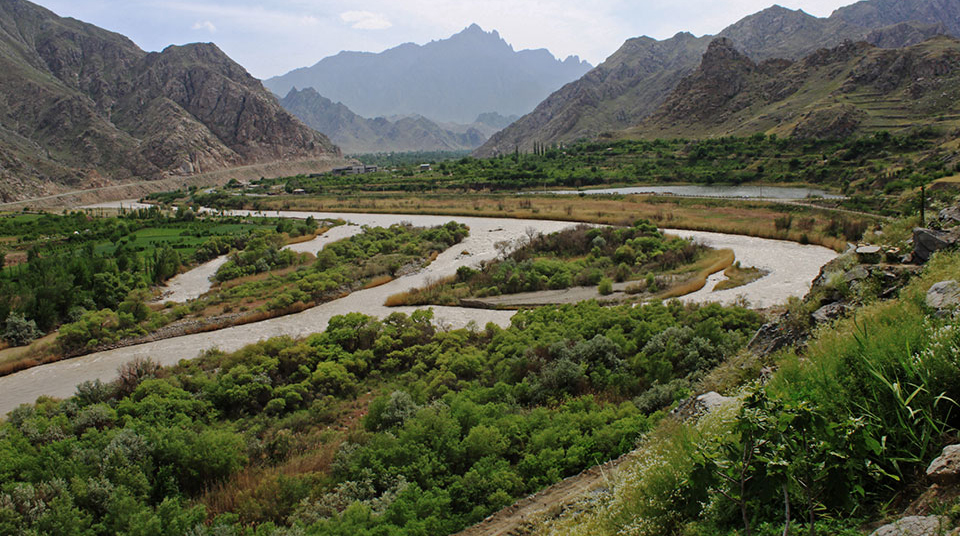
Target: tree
19, 331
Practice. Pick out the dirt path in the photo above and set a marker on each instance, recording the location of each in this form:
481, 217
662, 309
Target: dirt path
513, 520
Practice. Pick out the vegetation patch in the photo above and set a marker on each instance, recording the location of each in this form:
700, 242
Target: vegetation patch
283, 436
582, 256
738, 276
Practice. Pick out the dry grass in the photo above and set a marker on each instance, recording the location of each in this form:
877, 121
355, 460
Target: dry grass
304, 238
419, 296
746, 217
377, 281
718, 260
737, 276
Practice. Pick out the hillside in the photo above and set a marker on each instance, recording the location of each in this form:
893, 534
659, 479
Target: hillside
831, 93
355, 134
83, 107
633, 82
454, 79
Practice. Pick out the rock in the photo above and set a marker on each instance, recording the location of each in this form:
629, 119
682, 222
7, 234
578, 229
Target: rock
857, 273
708, 402
773, 336
950, 215
944, 295
915, 526
946, 468
829, 312
869, 254
928, 241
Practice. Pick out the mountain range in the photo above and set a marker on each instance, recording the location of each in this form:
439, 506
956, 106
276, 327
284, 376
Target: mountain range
82, 107
355, 134
851, 88
637, 79
448, 80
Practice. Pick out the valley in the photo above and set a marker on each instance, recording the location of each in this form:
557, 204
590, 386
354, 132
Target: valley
441, 281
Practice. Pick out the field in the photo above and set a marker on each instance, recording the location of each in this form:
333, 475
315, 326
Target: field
808, 224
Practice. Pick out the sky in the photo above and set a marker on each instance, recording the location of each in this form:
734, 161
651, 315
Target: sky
270, 38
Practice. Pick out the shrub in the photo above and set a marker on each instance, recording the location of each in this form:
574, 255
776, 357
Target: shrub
605, 287
19, 331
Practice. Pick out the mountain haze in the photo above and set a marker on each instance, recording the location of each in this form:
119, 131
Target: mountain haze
452, 80
82, 107
633, 82
355, 134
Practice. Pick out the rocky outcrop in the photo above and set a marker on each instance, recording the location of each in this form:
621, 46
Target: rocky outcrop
926, 242
82, 107
950, 215
729, 94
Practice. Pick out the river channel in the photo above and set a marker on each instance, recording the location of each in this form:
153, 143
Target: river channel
792, 268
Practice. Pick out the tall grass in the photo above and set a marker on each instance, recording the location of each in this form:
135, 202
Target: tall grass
718, 261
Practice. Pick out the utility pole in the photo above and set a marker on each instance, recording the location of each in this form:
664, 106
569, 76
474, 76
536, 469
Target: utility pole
923, 202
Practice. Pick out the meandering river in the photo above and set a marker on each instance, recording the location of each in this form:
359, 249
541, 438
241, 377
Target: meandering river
792, 269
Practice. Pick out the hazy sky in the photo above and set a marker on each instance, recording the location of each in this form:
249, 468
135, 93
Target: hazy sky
273, 37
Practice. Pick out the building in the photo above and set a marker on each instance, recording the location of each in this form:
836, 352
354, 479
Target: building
353, 170
424, 167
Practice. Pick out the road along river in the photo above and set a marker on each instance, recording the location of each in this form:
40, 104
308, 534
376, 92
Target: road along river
793, 267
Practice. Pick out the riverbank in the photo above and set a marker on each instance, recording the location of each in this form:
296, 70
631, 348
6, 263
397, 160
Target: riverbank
793, 267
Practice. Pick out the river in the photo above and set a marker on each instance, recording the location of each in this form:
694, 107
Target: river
792, 269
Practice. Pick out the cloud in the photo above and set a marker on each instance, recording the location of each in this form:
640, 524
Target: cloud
204, 25
366, 20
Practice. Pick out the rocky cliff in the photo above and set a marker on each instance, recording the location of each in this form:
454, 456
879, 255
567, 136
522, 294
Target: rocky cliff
632, 83
83, 107
853, 87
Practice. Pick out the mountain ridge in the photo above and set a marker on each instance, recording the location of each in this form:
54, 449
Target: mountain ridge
851, 88
81, 106
355, 134
633, 82
445, 80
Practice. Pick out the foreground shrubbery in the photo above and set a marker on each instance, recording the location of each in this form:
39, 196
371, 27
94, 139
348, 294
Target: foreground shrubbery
838, 433
460, 423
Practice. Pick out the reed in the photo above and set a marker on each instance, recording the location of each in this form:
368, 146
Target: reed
722, 260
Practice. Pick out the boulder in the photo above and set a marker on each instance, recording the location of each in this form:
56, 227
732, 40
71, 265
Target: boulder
950, 215
708, 402
915, 526
946, 468
869, 254
829, 312
944, 295
928, 241
857, 273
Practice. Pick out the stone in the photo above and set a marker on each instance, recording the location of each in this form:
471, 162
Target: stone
829, 312
950, 215
869, 254
945, 469
915, 526
708, 402
928, 241
858, 273
944, 295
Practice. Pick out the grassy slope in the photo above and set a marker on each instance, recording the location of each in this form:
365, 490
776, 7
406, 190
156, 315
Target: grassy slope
833, 374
